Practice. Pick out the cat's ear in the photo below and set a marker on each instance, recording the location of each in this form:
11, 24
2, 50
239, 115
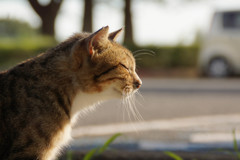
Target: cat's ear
97, 40
113, 36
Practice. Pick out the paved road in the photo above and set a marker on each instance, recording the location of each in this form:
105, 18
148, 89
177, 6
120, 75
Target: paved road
173, 98
175, 110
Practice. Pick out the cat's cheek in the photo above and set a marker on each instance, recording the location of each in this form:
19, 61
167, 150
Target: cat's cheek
112, 92
115, 90
118, 93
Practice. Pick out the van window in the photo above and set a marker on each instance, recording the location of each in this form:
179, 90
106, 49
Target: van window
231, 20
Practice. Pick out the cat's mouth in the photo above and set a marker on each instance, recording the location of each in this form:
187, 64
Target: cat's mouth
127, 90
124, 92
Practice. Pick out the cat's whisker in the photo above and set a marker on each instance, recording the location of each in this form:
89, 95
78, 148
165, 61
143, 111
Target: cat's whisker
143, 52
139, 95
138, 59
130, 104
123, 111
140, 100
129, 111
126, 105
137, 68
131, 107
138, 116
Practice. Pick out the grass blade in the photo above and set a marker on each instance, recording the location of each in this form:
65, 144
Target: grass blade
173, 155
108, 142
235, 144
90, 154
69, 155
100, 150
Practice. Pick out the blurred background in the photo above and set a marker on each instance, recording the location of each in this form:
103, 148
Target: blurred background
188, 59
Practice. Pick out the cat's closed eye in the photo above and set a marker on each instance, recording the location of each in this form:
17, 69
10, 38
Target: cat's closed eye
124, 66
127, 68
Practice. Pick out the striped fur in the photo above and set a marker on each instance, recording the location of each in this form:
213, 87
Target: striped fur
41, 97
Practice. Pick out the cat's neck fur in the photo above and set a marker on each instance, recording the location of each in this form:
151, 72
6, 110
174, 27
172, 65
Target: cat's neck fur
83, 102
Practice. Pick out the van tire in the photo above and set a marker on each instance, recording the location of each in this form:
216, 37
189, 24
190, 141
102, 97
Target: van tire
218, 68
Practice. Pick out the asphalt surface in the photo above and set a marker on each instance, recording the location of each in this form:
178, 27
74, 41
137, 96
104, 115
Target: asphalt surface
173, 98
175, 111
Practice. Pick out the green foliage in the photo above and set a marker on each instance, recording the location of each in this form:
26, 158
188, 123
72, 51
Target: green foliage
90, 154
173, 155
97, 151
69, 155
236, 151
13, 51
15, 28
108, 142
235, 144
235, 147
26, 43
167, 56
19, 41
94, 152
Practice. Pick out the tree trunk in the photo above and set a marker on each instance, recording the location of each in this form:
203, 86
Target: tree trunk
47, 14
128, 34
87, 19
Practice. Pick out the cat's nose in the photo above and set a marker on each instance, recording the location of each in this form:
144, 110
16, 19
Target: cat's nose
137, 84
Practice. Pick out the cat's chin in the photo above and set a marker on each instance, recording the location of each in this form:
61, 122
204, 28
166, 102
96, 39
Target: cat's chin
118, 92
123, 93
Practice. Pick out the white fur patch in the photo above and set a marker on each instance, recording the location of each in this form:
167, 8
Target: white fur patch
82, 102
59, 140
86, 101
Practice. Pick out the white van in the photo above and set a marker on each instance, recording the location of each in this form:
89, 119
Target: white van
220, 53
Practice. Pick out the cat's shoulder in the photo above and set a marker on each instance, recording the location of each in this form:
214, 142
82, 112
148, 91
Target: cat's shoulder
68, 43
77, 36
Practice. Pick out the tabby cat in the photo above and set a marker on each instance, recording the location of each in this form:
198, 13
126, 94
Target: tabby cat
41, 97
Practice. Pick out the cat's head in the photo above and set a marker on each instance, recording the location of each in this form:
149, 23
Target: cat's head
101, 64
